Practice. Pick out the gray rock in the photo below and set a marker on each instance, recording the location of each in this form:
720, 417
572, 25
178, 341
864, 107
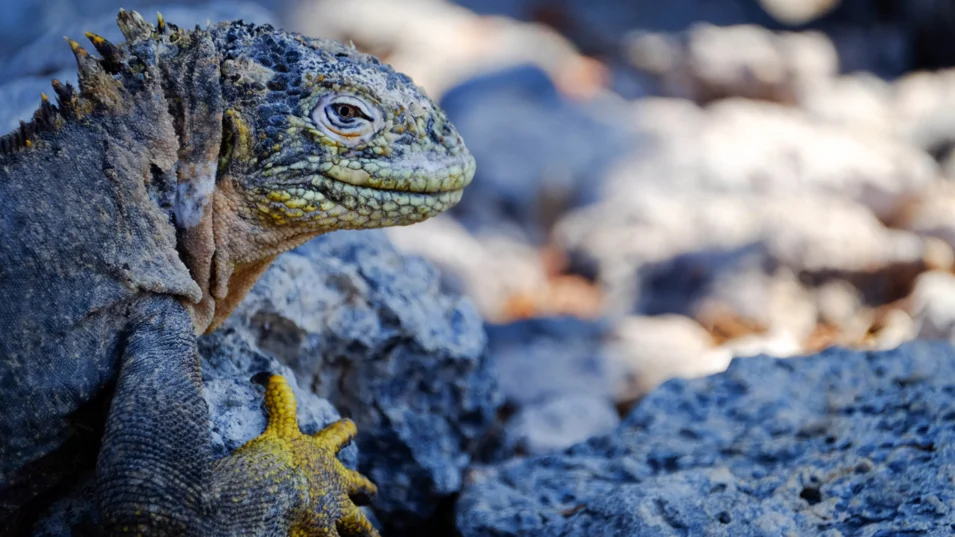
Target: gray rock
840, 443
546, 358
236, 398
540, 152
645, 351
439, 44
560, 423
372, 332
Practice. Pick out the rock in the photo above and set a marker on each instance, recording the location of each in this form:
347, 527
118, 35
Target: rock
598, 22
525, 281
895, 328
838, 302
931, 214
779, 343
740, 146
235, 398
438, 44
556, 379
540, 152
637, 244
371, 331
840, 443
708, 62
536, 360
932, 306
916, 110
466, 260
860, 101
644, 352
747, 191
560, 423
923, 106
798, 12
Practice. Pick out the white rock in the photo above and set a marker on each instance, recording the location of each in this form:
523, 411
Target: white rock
797, 12
438, 44
489, 269
779, 344
709, 62
646, 351
933, 306
897, 327
933, 214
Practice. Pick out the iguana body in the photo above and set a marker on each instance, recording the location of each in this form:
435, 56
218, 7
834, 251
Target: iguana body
138, 212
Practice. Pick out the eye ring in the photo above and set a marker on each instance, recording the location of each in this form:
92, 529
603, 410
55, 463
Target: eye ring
347, 112
346, 118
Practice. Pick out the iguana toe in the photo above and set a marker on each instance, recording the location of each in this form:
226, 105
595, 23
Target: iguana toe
325, 487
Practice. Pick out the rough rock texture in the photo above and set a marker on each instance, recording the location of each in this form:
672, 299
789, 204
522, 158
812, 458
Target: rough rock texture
370, 330
841, 443
234, 394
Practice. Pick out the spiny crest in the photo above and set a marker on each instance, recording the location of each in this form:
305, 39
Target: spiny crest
45, 118
95, 77
134, 27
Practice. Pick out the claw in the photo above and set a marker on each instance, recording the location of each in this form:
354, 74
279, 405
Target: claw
337, 435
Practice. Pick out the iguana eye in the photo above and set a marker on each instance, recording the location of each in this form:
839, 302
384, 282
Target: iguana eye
346, 118
345, 112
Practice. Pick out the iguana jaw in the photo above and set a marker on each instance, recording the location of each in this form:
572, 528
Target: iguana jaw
247, 241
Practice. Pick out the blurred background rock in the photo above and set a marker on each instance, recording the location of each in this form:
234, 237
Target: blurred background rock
661, 186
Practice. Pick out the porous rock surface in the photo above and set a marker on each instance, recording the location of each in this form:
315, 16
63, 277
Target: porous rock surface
371, 331
838, 444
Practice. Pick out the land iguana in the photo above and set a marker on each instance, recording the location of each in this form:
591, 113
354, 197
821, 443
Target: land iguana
138, 210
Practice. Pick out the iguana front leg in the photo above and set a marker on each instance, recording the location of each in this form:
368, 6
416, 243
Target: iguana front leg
155, 472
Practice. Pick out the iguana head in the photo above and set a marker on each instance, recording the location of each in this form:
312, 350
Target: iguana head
262, 139
321, 137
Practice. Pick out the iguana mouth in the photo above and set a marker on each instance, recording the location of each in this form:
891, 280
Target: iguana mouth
413, 176
376, 199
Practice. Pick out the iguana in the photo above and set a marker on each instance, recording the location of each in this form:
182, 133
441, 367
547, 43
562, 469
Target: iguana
138, 211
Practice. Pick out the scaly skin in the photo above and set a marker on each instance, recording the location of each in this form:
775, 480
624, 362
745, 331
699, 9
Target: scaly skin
141, 209
313, 458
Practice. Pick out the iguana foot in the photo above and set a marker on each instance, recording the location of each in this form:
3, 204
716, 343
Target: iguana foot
327, 491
